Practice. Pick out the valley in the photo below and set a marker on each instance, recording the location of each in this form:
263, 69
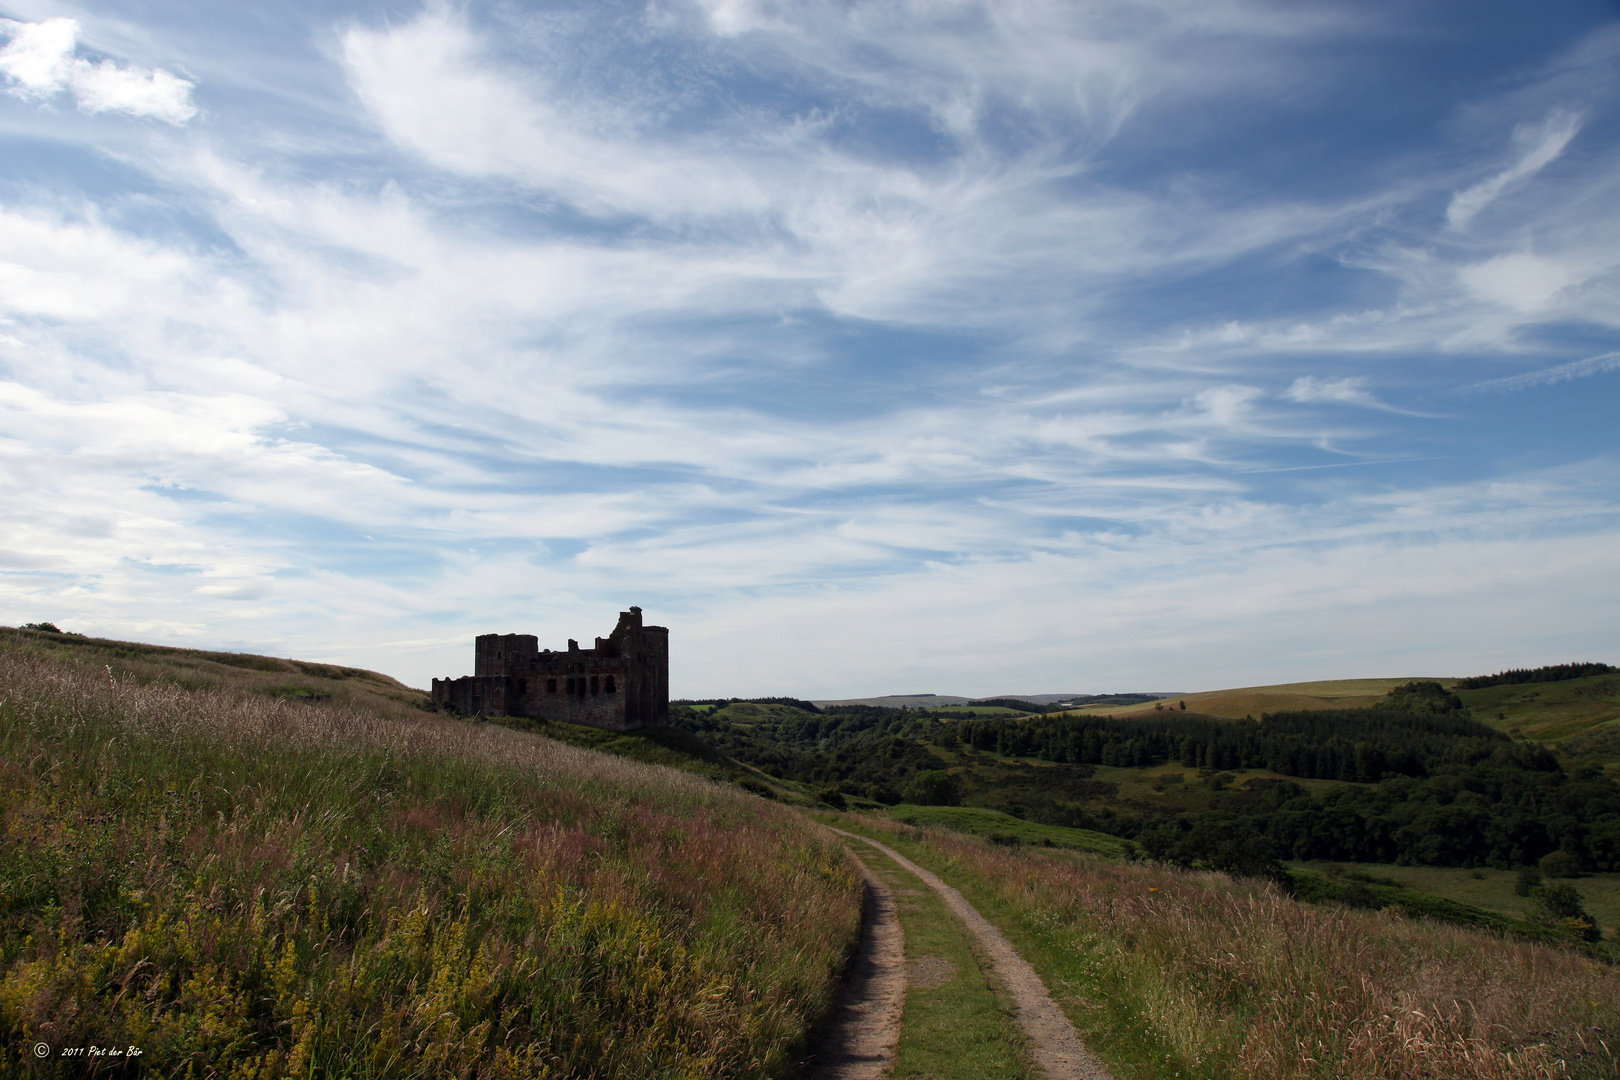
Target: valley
283, 867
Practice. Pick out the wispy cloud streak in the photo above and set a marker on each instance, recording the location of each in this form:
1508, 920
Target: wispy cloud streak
1579, 369
1543, 142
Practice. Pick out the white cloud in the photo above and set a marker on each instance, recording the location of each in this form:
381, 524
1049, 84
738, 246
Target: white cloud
807, 219
433, 92
39, 63
39, 59
1229, 406
107, 87
1347, 391
1523, 281
1543, 142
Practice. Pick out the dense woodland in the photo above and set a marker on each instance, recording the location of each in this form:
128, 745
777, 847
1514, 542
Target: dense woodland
1415, 779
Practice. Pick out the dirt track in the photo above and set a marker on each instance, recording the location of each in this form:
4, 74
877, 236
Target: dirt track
860, 1042
1056, 1049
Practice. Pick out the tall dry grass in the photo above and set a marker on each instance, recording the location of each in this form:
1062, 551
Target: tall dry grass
1215, 978
251, 888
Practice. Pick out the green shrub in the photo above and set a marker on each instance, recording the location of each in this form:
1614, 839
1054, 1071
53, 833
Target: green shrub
1560, 864
933, 787
1560, 907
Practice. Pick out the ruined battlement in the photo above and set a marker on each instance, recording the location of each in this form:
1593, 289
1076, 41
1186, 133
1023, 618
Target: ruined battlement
620, 684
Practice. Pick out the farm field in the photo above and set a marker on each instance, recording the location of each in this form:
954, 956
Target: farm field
1253, 700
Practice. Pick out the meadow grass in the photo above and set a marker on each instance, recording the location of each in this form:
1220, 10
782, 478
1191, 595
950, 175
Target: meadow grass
202, 669
1178, 974
245, 886
1548, 712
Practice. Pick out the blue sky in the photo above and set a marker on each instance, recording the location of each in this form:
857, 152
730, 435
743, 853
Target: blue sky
876, 347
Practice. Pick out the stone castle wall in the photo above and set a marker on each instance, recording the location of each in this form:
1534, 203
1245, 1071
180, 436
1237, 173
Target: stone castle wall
621, 684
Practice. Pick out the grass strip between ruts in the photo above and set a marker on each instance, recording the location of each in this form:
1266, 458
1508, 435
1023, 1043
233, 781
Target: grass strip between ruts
955, 1026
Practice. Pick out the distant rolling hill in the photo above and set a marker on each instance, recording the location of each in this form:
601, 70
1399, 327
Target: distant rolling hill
1254, 700
934, 701
1581, 715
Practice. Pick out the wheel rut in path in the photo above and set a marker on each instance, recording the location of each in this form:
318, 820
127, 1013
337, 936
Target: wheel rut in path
1055, 1046
859, 1043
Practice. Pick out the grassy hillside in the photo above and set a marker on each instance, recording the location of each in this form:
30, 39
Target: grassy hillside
1553, 712
243, 883
1197, 975
1547, 712
198, 669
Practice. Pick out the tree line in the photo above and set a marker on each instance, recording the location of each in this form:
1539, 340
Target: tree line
1551, 673
1422, 726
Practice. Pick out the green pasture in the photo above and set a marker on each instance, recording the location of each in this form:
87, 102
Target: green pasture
994, 824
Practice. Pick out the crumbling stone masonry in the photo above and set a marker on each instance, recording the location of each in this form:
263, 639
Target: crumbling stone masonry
621, 684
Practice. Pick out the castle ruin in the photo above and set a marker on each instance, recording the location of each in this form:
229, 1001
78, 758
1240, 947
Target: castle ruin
620, 685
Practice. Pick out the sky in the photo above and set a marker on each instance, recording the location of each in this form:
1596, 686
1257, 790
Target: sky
872, 347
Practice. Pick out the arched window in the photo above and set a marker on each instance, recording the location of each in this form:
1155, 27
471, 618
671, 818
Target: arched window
596, 684
607, 687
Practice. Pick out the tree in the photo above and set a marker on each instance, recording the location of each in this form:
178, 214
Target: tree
832, 797
1560, 864
933, 787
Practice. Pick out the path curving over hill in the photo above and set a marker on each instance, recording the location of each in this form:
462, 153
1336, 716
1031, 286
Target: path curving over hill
1055, 1046
860, 1042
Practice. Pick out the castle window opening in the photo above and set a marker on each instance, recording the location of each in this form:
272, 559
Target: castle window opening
596, 684
551, 686
523, 686
607, 687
